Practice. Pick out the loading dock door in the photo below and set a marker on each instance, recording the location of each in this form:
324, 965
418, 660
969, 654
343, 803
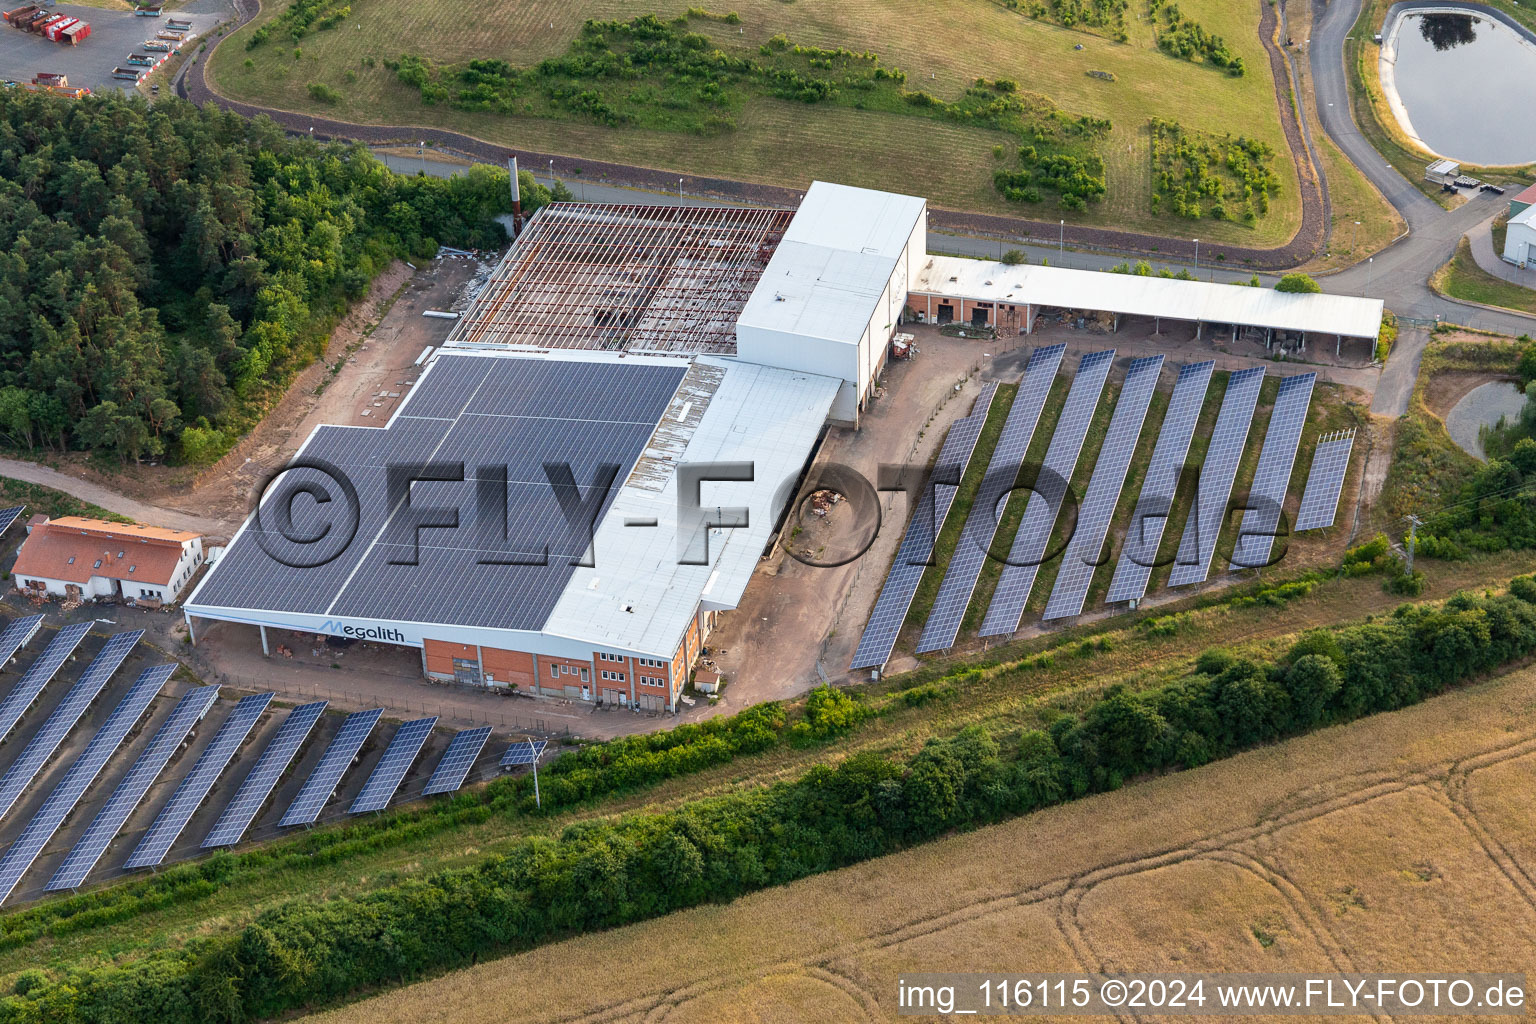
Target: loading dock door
946, 313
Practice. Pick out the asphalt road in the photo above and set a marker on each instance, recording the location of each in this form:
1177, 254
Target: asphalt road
1400, 273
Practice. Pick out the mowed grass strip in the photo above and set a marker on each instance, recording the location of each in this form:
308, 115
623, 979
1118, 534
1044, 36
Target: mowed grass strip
1462, 278
951, 164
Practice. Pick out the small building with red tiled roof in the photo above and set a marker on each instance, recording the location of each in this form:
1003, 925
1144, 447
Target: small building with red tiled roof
1522, 202
89, 559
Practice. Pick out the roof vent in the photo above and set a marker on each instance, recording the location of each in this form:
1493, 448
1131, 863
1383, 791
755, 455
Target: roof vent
954, 278
989, 284
777, 297
629, 608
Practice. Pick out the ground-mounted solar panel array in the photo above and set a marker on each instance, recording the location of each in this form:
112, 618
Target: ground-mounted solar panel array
1256, 538
262, 779
1092, 538
10, 515
105, 793
39, 673
16, 635
1139, 551
194, 788
47, 740
322, 782
523, 752
1217, 474
457, 760
1325, 481
916, 549
1101, 498
125, 798
1046, 499
398, 757
81, 774
980, 528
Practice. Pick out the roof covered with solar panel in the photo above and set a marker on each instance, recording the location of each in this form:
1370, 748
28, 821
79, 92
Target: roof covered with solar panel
479, 504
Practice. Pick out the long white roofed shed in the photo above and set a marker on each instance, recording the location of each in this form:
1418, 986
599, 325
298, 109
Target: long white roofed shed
953, 277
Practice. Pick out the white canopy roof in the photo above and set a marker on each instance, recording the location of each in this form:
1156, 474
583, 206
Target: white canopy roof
977, 280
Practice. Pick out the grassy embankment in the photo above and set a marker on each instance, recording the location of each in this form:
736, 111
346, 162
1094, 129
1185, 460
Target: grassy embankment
1462, 278
949, 162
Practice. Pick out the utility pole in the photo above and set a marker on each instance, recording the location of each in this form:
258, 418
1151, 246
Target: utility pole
537, 800
1354, 237
1413, 529
1197, 257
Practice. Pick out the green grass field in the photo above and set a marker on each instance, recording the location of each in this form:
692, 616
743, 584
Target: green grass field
1462, 278
938, 47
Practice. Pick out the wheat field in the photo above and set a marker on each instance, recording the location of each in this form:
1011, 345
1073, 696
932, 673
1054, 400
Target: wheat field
1401, 842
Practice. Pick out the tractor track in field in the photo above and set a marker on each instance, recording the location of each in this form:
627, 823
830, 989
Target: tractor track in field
192, 84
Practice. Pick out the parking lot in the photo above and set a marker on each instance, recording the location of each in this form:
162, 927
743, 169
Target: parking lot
114, 35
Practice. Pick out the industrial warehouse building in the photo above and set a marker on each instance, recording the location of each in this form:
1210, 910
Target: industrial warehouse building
664, 350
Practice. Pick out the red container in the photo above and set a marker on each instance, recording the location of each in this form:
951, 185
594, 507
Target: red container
76, 32
52, 31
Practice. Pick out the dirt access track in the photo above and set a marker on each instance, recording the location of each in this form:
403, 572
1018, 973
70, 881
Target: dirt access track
364, 374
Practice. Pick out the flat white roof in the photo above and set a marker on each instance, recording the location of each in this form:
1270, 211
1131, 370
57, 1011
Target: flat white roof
1526, 216
837, 256
855, 219
636, 596
957, 277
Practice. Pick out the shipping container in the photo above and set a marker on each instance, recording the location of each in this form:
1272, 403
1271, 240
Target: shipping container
156, 44
148, 12
20, 14
40, 25
52, 32
75, 33
141, 58
178, 23
50, 78
133, 74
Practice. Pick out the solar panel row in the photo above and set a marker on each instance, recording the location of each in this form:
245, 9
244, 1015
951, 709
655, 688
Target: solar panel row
1155, 503
258, 784
457, 761
109, 820
523, 752
398, 757
17, 633
10, 515
38, 673
1272, 478
1045, 500
178, 810
916, 548
47, 740
1325, 481
976, 539
82, 773
1217, 472
1084, 552
322, 782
